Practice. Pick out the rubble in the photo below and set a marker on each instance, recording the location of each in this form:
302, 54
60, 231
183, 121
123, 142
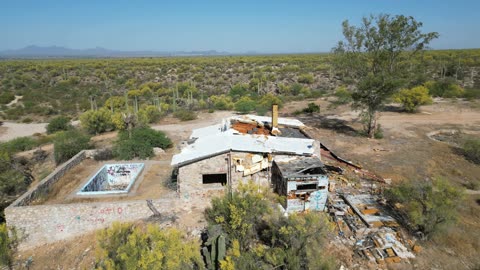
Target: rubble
361, 217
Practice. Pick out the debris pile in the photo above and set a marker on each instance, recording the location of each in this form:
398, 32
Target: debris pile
361, 216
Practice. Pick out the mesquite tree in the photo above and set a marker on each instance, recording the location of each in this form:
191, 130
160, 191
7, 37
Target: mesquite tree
375, 56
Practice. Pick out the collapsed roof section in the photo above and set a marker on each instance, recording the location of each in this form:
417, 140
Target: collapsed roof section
302, 167
247, 133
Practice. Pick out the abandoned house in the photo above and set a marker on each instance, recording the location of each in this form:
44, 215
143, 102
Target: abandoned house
239, 149
302, 181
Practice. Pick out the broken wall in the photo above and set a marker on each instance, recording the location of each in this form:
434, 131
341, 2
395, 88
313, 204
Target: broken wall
313, 200
190, 182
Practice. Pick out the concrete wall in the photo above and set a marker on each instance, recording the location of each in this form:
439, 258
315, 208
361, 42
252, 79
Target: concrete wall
43, 186
42, 224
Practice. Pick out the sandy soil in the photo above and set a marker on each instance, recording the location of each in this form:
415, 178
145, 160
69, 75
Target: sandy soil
13, 130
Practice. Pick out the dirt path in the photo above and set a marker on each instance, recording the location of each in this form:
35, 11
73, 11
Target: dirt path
181, 130
15, 101
13, 130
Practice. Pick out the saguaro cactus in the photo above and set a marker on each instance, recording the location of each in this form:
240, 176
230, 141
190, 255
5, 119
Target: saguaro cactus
214, 251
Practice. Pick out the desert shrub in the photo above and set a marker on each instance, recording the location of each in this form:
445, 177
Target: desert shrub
472, 94
471, 149
152, 112
19, 144
95, 122
412, 98
245, 105
312, 108
59, 123
115, 103
306, 78
240, 214
266, 102
27, 120
427, 206
378, 132
67, 144
103, 154
185, 115
295, 89
238, 91
6, 97
118, 121
222, 102
343, 95
12, 180
139, 143
445, 88
129, 246
260, 237
8, 246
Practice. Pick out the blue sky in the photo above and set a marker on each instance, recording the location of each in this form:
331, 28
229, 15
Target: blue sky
228, 25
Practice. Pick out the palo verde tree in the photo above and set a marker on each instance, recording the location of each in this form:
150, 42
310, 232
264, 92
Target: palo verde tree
375, 55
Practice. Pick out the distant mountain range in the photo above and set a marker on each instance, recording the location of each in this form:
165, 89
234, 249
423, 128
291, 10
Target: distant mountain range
62, 52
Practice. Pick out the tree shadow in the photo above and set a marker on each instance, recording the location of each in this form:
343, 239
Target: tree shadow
327, 122
393, 108
461, 152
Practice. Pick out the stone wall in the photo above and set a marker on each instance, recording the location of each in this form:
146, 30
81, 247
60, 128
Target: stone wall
190, 182
190, 177
43, 186
40, 224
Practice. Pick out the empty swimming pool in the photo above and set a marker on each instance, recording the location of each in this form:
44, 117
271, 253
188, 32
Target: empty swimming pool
112, 179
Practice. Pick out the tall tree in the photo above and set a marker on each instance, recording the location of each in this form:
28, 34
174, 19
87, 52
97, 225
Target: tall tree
376, 56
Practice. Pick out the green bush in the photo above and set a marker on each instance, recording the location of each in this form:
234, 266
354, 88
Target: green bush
343, 95
306, 78
222, 102
8, 246
67, 144
19, 144
59, 123
412, 98
27, 120
96, 122
472, 94
427, 206
447, 88
245, 105
128, 246
266, 102
13, 181
185, 115
6, 97
260, 237
139, 143
471, 149
295, 89
238, 91
240, 214
312, 108
378, 132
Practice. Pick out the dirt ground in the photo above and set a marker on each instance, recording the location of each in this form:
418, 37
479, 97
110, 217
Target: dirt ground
405, 153
10, 130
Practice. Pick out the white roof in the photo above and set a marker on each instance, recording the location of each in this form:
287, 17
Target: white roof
211, 141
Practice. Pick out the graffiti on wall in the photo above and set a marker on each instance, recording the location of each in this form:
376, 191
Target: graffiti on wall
95, 217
